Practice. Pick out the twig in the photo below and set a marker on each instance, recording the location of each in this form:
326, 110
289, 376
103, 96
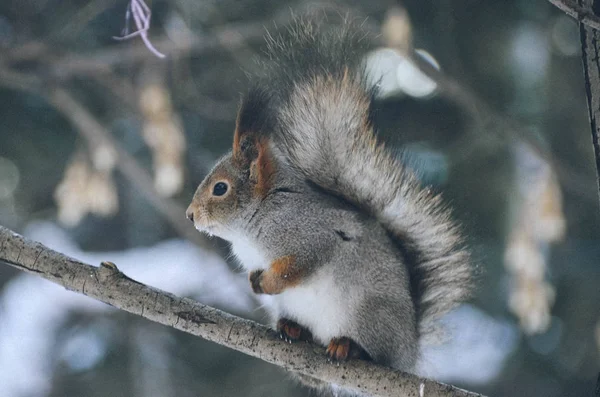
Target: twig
232, 36
581, 14
95, 134
109, 285
489, 120
590, 51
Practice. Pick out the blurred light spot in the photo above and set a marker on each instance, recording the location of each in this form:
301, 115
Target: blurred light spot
412, 80
397, 29
163, 133
530, 54
537, 222
428, 57
84, 350
9, 178
476, 350
565, 36
381, 70
104, 157
395, 73
177, 30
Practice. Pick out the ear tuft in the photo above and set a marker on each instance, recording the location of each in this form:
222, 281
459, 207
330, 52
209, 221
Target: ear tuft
254, 118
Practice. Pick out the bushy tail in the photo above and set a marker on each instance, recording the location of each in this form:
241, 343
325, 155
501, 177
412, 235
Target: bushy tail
323, 127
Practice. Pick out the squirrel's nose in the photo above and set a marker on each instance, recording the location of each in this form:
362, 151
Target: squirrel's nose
190, 214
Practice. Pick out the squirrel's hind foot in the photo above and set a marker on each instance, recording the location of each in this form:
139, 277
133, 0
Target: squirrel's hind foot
290, 331
342, 349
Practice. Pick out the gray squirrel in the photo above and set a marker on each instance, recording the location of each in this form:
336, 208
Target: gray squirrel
357, 255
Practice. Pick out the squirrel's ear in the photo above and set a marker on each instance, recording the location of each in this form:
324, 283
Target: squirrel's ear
253, 119
250, 143
262, 168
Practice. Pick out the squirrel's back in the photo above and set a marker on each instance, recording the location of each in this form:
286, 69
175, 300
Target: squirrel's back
313, 97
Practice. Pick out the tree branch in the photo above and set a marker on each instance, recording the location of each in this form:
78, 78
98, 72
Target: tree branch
590, 50
231, 37
109, 285
582, 14
491, 121
96, 134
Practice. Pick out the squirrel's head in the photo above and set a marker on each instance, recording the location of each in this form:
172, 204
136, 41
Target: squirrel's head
241, 179
237, 183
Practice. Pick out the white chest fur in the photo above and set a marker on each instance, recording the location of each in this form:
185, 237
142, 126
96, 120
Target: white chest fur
316, 304
249, 254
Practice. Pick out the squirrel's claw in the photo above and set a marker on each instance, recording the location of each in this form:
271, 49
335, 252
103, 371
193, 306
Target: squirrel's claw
342, 349
338, 349
290, 331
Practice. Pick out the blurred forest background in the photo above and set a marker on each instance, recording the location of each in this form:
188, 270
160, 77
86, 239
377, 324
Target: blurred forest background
102, 144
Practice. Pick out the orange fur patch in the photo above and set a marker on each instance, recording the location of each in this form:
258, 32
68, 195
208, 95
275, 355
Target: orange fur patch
282, 274
284, 266
265, 168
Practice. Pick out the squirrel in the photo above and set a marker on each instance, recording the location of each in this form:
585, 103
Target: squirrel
356, 254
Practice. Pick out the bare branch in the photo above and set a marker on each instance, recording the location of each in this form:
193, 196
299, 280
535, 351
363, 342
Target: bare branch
96, 134
231, 36
488, 120
582, 14
590, 52
109, 285
491, 121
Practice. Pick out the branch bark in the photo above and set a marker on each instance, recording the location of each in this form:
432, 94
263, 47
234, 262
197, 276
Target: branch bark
590, 51
107, 284
579, 12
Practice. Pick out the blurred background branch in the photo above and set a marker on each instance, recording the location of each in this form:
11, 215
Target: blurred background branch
581, 13
487, 120
99, 139
591, 65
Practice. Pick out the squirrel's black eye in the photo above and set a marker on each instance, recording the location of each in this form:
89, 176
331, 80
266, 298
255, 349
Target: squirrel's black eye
220, 189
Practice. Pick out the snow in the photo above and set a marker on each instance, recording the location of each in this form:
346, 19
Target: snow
477, 347
32, 310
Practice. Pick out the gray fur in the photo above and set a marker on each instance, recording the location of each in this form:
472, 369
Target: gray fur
324, 131
383, 257
375, 294
331, 239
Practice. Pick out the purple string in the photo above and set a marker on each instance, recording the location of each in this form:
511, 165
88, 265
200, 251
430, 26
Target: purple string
141, 16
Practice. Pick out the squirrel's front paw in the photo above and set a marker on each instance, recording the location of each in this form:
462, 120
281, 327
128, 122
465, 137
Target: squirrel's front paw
255, 278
